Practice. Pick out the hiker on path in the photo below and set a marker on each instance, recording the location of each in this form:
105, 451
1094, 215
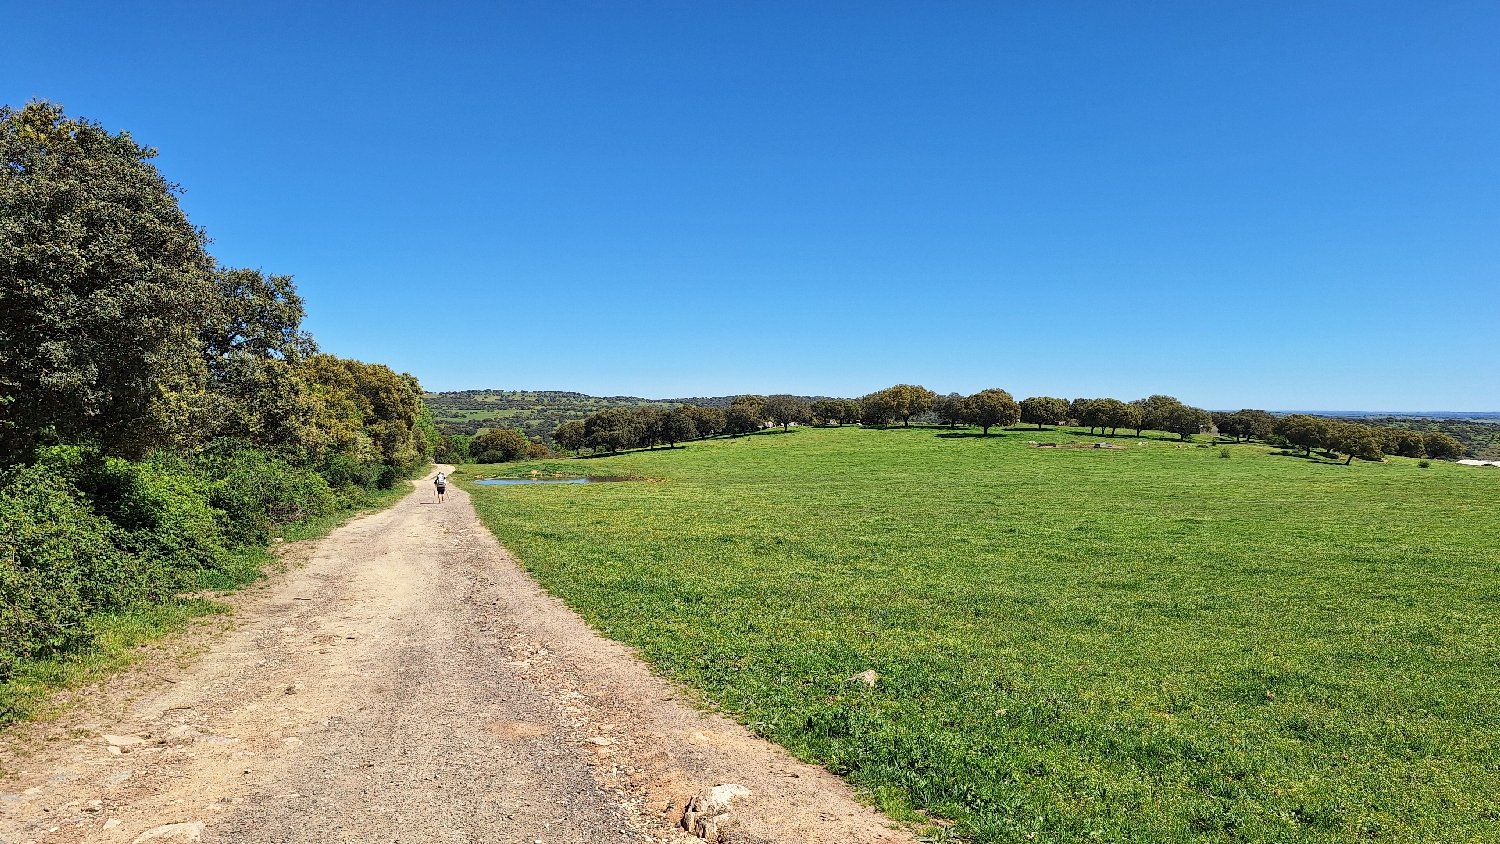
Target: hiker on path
441, 482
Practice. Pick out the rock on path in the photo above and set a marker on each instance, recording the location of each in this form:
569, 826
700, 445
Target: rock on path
407, 682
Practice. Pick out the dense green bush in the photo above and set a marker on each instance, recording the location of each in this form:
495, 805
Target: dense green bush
256, 492
163, 515
82, 533
59, 563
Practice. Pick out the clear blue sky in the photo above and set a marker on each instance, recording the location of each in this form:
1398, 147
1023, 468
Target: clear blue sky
1243, 204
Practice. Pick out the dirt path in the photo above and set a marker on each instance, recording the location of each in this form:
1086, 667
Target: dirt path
406, 682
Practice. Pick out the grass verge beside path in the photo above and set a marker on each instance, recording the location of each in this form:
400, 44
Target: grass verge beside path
119, 637
1148, 644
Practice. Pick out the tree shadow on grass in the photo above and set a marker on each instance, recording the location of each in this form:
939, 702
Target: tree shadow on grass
963, 435
1317, 459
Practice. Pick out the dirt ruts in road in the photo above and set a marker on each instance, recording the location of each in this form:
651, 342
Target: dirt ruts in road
406, 681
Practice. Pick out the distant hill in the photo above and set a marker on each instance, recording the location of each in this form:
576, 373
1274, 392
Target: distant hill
536, 412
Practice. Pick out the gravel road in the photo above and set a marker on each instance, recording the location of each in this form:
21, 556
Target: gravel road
403, 681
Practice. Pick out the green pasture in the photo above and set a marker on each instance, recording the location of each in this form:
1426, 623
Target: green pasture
1148, 644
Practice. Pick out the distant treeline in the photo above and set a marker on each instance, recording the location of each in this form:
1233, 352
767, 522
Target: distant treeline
1480, 439
534, 413
650, 425
160, 415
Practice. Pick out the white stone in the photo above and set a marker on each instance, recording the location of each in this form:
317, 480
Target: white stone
708, 813
173, 833
124, 741
868, 677
181, 734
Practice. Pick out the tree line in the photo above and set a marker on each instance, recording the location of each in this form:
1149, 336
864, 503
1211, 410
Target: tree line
1354, 439
161, 415
649, 426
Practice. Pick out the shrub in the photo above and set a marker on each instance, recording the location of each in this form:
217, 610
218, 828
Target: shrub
256, 492
59, 563
165, 515
1224, 453
1424, 464
499, 446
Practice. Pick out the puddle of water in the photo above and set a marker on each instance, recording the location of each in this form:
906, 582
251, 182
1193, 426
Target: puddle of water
520, 481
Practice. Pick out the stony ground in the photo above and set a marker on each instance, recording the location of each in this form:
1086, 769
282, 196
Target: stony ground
405, 681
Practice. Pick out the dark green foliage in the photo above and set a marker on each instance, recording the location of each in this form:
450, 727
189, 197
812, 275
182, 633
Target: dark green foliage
902, 401
256, 493
785, 410
1354, 441
1480, 436
678, 426
1185, 421
102, 283
501, 445
707, 421
949, 409
1244, 425
1443, 447
160, 419
60, 562
454, 448
837, 411
1155, 413
742, 418
648, 421
612, 430
1044, 410
1303, 431
1106, 414
82, 533
646, 426
988, 408
252, 343
569, 435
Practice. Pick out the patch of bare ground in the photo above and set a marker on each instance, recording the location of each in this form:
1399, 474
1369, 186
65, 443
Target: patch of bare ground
404, 680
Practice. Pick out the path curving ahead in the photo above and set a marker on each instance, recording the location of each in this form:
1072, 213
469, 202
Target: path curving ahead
405, 681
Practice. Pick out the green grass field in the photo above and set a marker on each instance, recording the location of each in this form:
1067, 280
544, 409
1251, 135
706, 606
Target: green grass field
1155, 644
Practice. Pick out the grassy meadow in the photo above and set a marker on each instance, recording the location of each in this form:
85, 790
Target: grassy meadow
1151, 644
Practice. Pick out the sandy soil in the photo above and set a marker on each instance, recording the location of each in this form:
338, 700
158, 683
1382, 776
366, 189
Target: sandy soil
404, 680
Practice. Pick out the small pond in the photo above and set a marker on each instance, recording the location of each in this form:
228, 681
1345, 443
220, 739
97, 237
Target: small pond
519, 481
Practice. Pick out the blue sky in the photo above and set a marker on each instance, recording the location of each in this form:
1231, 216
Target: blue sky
1257, 204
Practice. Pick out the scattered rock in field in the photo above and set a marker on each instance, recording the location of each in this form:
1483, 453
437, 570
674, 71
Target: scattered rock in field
181, 734
707, 815
868, 677
111, 823
124, 741
602, 741
173, 833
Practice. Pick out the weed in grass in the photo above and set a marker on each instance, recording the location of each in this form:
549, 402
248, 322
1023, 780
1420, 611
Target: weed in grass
1121, 645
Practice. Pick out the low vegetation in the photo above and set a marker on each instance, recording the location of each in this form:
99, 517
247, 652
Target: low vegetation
1149, 643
